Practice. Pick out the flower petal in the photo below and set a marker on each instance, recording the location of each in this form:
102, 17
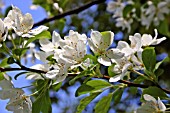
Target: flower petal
104, 60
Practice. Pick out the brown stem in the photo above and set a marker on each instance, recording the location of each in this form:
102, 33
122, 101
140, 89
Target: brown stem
74, 11
129, 84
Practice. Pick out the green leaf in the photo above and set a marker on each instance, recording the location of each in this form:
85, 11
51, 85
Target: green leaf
90, 56
4, 62
42, 104
56, 87
44, 34
159, 63
163, 28
19, 51
110, 70
117, 94
155, 92
85, 101
149, 58
2, 76
10, 60
92, 86
107, 38
103, 105
127, 10
82, 74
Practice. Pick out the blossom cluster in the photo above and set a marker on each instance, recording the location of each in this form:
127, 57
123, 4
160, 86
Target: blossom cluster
60, 55
69, 53
150, 13
151, 105
18, 101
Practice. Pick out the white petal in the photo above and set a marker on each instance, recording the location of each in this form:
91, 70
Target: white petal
96, 38
38, 30
146, 39
52, 74
114, 53
104, 60
149, 98
122, 44
92, 46
47, 46
115, 78
162, 107
55, 38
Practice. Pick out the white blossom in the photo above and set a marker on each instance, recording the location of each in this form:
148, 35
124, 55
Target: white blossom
148, 40
18, 103
151, 105
99, 43
3, 31
73, 48
22, 24
154, 13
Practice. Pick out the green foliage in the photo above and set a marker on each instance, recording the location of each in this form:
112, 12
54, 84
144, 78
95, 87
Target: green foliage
19, 51
4, 63
56, 87
110, 70
103, 105
10, 60
163, 28
155, 92
44, 34
92, 86
85, 101
149, 58
42, 104
127, 10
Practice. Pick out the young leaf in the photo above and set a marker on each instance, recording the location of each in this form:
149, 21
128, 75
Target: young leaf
117, 94
85, 101
159, 63
4, 63
92, 86
127, 10
149, 58
10, 60
155, 92
103, 105
56, 87
42, 104
44, 34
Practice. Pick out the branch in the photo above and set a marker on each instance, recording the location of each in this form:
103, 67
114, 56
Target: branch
129, 84
74, 11
21, 69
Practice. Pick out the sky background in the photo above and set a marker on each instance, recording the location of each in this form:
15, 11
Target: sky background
37, 15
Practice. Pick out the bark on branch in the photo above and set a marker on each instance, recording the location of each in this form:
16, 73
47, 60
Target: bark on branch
74, 11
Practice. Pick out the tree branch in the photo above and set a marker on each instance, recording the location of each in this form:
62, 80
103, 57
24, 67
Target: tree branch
74, 11
129, 84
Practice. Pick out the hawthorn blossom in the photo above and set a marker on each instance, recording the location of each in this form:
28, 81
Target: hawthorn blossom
3, 31
73, 48
147, 39
100, 43
22, 24
18, 101
117, 7
151, 105
120, 69
48, 46
56, 71
154, 13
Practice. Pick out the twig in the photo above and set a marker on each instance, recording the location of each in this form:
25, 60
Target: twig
129, 84
74, 11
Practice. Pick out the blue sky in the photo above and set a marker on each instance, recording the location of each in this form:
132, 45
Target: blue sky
37, 15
